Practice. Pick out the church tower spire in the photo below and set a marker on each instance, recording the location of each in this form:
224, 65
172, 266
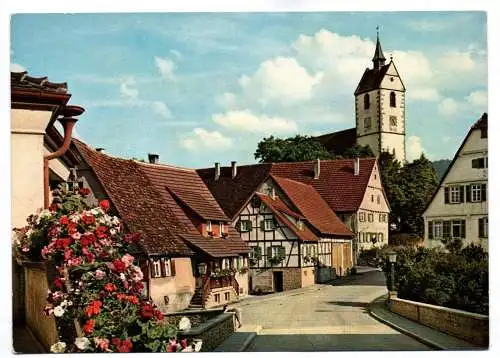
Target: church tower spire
378, 57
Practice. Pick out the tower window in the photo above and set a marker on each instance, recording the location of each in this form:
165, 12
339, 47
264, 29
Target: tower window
393, 120
392, 98
367, 101
368, 123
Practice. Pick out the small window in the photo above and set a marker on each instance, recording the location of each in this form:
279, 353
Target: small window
393, 121
381, 218
438, 229
370, 217
226, 296
275, 251
209, 226
373, 198
300, 224
455, 194
475, 192
167, 265
361, 216
217, 298
378, 199
156, 269
483, 227
392, 98
380, 237
225, 264
245, 225
368, 123
458, 228
478, 163
221, 228
268, 225
367, 101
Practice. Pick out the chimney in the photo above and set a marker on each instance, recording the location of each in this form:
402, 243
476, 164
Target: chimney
217, 171
316, 169
153, 158
234, 169
100, 150
356, 166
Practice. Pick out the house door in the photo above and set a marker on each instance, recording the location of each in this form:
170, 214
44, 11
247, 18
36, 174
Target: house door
278, 281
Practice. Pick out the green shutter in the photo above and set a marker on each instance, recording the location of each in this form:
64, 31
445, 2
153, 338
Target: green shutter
446, 195
257, 252
238, 226
269, 252
262, 225
462, 192
467, 193
446, 228
483, 192
481, 227
462, 229
430, 230
250, 227
281, 251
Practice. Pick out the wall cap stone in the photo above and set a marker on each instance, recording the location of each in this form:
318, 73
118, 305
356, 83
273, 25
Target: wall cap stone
441, 308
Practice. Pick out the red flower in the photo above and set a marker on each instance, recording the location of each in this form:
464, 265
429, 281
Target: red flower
68, 254
63, 220
110, 287
84, 191
72, 228
124, 346
104, 204
101, 232
88, 219
88, 327
184, 343
171, 348
62, 243
146, 311
133, 299
94, 308
119, 265
158, 315
58, 283
53, 207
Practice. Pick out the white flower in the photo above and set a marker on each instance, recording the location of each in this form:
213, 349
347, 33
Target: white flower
197, 345
188, 349
112, 231
58, 311
64, 303
122, 277
70, 303
94, 211
82, 343
58, 347
115, 220
184, 324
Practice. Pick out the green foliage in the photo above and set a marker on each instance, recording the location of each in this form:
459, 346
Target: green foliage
357, 152
456, 279
293, 149
441, 166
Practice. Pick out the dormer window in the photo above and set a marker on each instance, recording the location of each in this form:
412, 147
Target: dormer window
222, 233
209, 226
367, 101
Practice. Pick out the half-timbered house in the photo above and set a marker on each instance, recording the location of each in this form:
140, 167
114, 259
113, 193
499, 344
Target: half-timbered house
189, 252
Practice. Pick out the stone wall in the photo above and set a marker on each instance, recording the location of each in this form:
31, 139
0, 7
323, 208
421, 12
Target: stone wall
292, 278
217, 297
213, 332
468, 326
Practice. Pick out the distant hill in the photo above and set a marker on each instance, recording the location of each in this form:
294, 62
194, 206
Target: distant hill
441, 166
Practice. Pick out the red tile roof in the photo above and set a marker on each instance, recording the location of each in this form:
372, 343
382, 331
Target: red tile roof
313, 207
143, 196
276, 205
337, 184
22, 80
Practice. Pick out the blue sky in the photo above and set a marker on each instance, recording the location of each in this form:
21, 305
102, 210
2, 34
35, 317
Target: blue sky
200, 88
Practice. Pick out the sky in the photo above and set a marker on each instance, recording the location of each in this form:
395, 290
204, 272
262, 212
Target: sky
199, 88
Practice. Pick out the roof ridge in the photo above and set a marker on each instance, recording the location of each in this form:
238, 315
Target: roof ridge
163, 165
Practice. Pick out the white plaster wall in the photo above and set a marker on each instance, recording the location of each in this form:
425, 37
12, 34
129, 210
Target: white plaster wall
372, 141
362, 113
57, 166
27, 131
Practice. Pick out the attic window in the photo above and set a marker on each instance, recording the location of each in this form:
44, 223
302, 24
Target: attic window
367, 101
392, 99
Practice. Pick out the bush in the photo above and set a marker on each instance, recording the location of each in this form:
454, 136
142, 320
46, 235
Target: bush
456, 279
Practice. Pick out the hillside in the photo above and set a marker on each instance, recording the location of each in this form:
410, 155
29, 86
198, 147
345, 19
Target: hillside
441, 166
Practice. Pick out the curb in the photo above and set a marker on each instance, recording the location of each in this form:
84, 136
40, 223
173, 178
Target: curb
425, 341
247, 342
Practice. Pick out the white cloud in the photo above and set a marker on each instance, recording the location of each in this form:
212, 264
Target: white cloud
15, 67
227, 100
246, 121
280, 79
478, 99
166, 67
413, 148
201, 139
127, 91
457, 61
448, 107
161, 109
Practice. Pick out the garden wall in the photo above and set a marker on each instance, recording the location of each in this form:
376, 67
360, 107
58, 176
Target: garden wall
42, 326
212, 332
471, 327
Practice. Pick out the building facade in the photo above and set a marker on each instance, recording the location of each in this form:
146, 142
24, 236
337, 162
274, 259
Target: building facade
459, 207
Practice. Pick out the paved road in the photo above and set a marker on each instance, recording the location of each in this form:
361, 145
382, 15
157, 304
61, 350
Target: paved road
324, 318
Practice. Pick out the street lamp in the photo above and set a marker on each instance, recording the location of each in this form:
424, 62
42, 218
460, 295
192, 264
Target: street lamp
392, 259
202, 268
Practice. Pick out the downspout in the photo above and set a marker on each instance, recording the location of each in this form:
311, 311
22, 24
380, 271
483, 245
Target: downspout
68, 123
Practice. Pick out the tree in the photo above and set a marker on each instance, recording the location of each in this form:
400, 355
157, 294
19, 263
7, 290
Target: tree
391, 175
293, 149
418, 182
358, 152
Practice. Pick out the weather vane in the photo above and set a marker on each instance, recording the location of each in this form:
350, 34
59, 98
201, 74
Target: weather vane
378, 28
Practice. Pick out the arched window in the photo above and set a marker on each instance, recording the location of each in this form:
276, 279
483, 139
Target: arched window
367, 101
392, 98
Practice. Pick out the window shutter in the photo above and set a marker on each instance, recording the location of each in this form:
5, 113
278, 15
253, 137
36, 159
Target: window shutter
238, 226
281, 251
172, 267
481, 227
446, 228
462, 229
269, 252
430, 230
467, 193
262, 225
446, 195
483, 192
462, 192
250, 227
162, 267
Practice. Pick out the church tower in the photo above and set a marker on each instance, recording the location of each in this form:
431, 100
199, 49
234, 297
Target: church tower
380, 107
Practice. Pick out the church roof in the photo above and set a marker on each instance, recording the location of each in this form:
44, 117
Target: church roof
372, 78
338, 142
378, 55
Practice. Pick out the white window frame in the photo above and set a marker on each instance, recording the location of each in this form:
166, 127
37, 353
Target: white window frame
226, 264
370, 215
455, 194
156, 269
275, 251
209, 226
271, 224
244, 227
362, 216
217, 298
437, 228
485, 227
167, 265
456, 223
475, 193
221, 224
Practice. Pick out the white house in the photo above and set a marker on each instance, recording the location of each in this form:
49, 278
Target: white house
459, 207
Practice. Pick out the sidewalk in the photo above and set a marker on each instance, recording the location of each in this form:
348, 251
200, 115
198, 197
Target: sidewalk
431, 337
239, 340
24, 342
